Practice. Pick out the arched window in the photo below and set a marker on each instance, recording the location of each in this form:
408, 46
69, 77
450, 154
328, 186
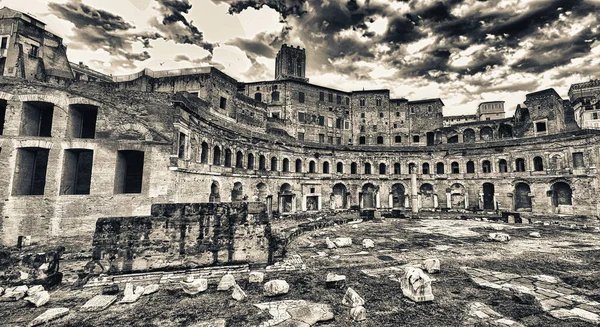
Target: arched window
204, 153
396, 169
538, 164
455, 168
353, 168
286, 165
227, 158
298, 165
275, 96
239, 159
439, 168
250, 161
502, 166
469, 136
274, 164
382, 169
470, 167
486, 133
312, 168
367, 168
340, 168
520, 165
217, 156
262, 162
362, 140
412, 168
379, 139
258, 96
425, 169
486, 167
326, 167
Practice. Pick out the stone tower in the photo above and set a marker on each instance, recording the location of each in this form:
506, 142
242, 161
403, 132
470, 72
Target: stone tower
290, 63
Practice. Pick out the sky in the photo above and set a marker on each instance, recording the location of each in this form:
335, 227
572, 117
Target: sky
462, 51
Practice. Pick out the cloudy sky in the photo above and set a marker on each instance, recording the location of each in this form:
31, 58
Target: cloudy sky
463, 51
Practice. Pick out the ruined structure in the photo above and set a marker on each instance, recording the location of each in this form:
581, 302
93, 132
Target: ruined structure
74, 150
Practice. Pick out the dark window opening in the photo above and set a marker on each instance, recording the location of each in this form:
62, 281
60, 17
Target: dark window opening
30, 171
326, 167
4, 43
223, 103
258, 96
340, 168
274, 164
2, 114
312, 167
321, 120
430, 138
379, 139
338, 99
301, 117
425, 168
301, 97
398, 139
285, 165
362, 140
321, 138
275, 96
262, 163
182, 144
34, 51
250, 163
396, 169
412, 168
439, 168
353, 168
540, 126
502, 166
453, 139
321, 96
239, 159
578, 160
77, 172
301, 136
470, 167
227, 158
455, 168
37, 119
538, 164
416, 139
217, 156
130, 171
486, 166
83, 121
204, 153
298, 165
330, 97
520, 165
382, 169
367, 168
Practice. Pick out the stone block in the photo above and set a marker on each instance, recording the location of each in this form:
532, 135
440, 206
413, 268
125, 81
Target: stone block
210, 323
368, 243
499, 237
238, 294
416, 285
49, 315
352, 299
535, 235
132, 294
226, 283
343, 242
335, 281
432, 266
330, 244
193, 286
111, 289
99, 303
35, 289
152, 288
38, 299
276, 287
256, 277
358, 313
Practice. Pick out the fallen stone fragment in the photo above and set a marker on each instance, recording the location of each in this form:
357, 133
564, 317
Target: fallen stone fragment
99, 303
38, 299
329, 243
358, 313
535, 234
238, 294
226, 283
35, 289
352, 299
432, 266
499, 237
256, 277
416, 285
335, 281
210, 323
193, 286
342, 242
368, 243
309, 314
354, 227
131, 295
23, 275
152, 288
276, 287
522, 296
14, 293
49, 315
111, 289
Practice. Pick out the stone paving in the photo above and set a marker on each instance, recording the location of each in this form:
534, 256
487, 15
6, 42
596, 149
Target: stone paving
555, 297
297, 313
480, 314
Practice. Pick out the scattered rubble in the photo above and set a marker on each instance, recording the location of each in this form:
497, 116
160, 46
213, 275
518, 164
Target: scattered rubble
99, 303
342, 242
416, 285
368, 243
238, 294
352, 299
226, 283
335, 281
193, 286
499, 237
276, 287
432, 266
39, 298
256, 277
49, 315
358, 313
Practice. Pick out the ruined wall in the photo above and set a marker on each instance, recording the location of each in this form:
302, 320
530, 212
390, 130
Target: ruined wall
183, 235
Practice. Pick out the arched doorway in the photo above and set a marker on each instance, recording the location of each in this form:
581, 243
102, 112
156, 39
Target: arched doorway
522, 198
457, 196
368, 196
262, 191
488, 196
286, 198
237, 193
340, 196
561, 194
215, 196
427, 200
398, 193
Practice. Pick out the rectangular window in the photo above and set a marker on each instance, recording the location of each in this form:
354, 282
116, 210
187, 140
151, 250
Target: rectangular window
2, 115
301, 136
378, 102
398, 139
578, 160
30, 171
276, 114
321, 138
338, 140
77, 172
395, 125
540, 126
362, 115
83, 121
397, 113
223, 103
330, 97
37, 119
330, 139
321, 121
4, 43
595, 115
338, 99
412, 110
321, 96
129, 172
301, 97
301, 117
346, 125
374, 128
416, 139
34, 51
329, 122
347, 101
338, 123
182, 145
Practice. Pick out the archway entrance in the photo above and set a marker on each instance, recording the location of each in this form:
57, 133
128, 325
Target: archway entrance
488, 196
340, 196
286, 199
522, 198
398, 192
457, 196
427, 200
215, 196
562, 195
368, 196
237, 193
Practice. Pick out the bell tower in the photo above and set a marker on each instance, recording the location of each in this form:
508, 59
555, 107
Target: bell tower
291, 63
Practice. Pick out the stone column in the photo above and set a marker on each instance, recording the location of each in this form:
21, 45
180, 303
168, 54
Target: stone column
435, 200
414, 196
448, 200
390, 201
377, 200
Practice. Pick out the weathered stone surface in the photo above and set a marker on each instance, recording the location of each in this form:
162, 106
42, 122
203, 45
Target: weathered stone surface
49, 315
193, 286
368, 243
112, 289
343, 242
416, 285
132, 294
335, 281
226, 283
535, 234
432, 266
256, 277
330, 244
238, 294
352, 299
276, 287
99, 303
152, 288
38, 299
35, 289
295, 313
311, 313
358, 313
210, 323
14, 293
499, 237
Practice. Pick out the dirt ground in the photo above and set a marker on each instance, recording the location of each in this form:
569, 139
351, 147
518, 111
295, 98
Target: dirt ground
568, 254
